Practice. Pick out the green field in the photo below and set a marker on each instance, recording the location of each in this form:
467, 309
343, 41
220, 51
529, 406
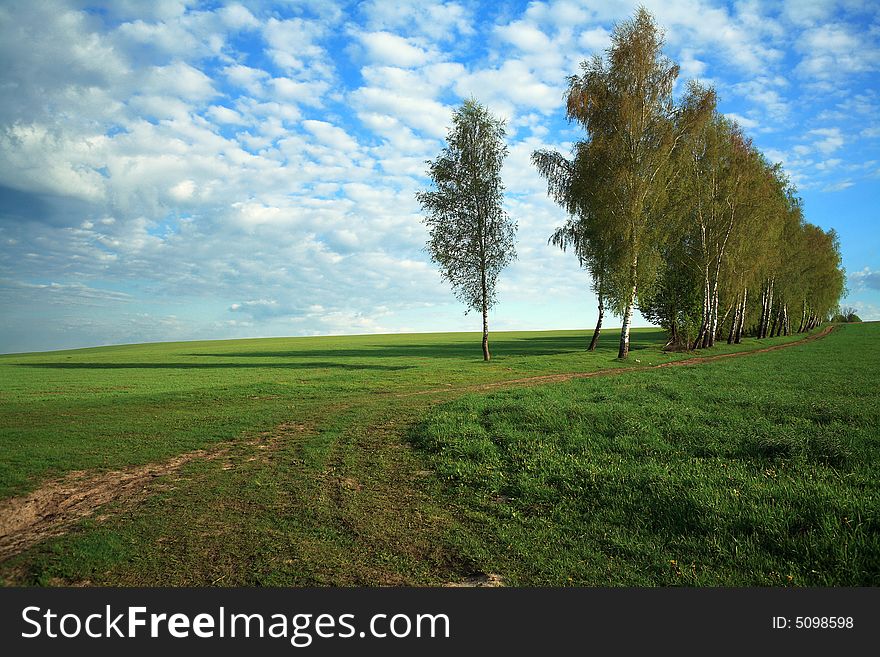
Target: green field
756, 470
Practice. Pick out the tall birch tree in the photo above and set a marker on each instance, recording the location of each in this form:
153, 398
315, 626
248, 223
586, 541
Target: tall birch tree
634, 127
471, 237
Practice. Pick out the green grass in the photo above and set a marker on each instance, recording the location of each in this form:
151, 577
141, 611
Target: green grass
382, 487
754, 471
109, 407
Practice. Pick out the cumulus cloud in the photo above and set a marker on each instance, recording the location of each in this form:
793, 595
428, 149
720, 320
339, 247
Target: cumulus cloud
743, 121
512, 85
827, 140
831, 51
838, 186
391, 49
440, 21
865, 279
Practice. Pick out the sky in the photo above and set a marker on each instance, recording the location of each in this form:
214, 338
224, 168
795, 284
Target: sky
179, 170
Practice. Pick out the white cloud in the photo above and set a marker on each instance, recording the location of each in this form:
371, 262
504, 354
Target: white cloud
833, 51
764, 92
391, 49
250, 79
183, 190
828, 165
524, 36
422, 114
307, 93
330, 135
294, 46
865, 279
439, 21
238, 17
827, 140
181, 80
512, 84
595, 40
839, 186
743, 121
222, 114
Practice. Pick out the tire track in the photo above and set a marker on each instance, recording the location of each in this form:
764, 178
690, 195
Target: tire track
50, 510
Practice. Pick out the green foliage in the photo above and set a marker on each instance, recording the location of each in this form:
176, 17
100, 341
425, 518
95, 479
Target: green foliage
471, 237
846, 315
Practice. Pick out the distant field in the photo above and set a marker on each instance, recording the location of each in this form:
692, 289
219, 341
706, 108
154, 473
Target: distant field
335, 470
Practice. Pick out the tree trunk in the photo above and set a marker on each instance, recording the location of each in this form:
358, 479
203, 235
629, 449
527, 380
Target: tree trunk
713, 307
623, 352
803, 318
763, 308
765, 291
734, 322
769, 311
720, 329
595, 339
486, 355
702, 338
709, 340
742, 317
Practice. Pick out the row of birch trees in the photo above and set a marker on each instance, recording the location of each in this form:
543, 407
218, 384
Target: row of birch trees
673, 210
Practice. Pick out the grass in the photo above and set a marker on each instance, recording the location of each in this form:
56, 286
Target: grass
110, 407
385, 487
757, 471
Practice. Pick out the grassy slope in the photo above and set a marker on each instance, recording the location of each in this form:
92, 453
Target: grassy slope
349, 502
757, 471
115, 406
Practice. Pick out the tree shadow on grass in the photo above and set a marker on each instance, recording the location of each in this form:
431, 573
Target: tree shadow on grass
535, 346
185, 366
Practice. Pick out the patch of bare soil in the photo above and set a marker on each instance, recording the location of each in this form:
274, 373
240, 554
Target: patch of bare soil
478, 581
568, 376
50, 510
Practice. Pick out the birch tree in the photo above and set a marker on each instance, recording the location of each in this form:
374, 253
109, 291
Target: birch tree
634, 127
585, 232
471, 238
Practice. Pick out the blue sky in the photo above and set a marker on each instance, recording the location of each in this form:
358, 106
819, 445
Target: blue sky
178, 170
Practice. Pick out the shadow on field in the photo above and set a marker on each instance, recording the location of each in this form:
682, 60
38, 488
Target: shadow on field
197, 366
536, 346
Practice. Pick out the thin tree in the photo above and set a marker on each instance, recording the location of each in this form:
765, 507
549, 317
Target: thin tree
567, 185
572, 235
471, 237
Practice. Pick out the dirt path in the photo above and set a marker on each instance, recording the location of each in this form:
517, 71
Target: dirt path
568, 376
51, 510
